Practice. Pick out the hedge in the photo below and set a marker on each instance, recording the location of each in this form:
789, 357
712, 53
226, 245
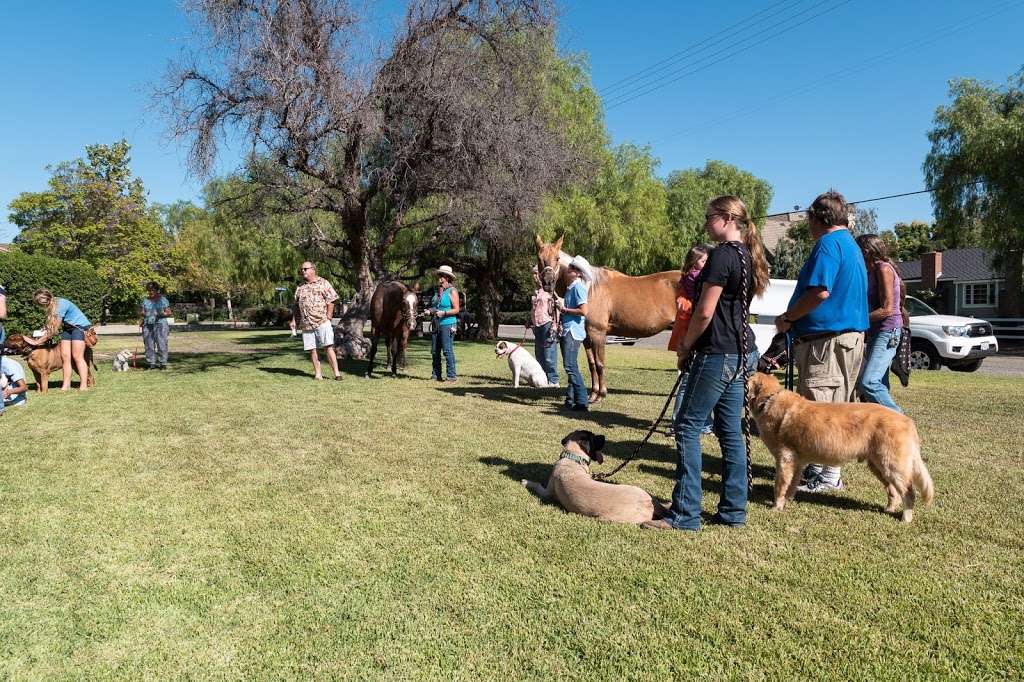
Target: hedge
21, 274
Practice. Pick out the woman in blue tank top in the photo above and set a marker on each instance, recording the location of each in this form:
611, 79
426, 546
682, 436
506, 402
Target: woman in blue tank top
65, 317
446, 312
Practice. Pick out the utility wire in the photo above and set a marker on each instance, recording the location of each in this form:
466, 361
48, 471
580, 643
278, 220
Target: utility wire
797, 209
943, 32
664, 63
729, 52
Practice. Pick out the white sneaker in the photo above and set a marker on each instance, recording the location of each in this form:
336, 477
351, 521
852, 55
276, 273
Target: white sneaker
820, 485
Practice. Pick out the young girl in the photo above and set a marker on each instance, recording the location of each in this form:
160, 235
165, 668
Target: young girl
686, 295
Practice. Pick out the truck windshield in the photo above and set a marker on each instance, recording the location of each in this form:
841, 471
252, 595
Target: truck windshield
916, 308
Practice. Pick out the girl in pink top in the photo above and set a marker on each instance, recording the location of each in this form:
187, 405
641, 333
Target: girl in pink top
545, 347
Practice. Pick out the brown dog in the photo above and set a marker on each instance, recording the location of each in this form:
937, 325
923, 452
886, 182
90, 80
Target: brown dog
573, 488
798, 431
45, 359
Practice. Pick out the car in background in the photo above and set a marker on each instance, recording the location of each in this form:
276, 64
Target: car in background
960, 343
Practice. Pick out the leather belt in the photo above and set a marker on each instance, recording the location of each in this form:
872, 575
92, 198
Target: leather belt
822, 335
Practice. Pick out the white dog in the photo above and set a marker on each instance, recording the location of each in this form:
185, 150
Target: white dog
122, 361
522, 364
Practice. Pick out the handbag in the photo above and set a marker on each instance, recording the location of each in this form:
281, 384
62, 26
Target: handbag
901, 363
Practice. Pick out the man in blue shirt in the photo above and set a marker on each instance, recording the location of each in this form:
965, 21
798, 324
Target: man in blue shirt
827, 317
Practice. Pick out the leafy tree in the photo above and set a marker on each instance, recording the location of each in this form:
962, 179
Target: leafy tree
224, 254
95, 211
975, 167
865, 221
690, 190
619, 219
449, 117
912, 239
791, 251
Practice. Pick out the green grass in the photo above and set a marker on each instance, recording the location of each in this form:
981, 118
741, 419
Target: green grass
231, 518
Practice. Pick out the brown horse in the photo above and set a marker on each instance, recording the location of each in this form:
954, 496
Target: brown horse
617, 304
393, 314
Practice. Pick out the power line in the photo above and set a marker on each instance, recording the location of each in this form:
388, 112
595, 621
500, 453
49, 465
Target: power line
955, 27
729, 52
797, 209
661, 65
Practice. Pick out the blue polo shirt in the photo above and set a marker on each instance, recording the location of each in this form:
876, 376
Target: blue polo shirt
70, 314
836, 265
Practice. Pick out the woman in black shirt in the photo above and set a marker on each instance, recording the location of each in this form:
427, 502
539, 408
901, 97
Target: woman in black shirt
718, 338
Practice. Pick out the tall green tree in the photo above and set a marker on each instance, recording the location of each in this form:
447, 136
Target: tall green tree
225, 253
95, 211
619, 219
975, 167
690, 190
913, 239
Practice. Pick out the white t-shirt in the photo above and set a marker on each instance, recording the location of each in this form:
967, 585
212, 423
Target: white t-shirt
13, 372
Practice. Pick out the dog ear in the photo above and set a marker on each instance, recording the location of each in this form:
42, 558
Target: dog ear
598, 442
568, 438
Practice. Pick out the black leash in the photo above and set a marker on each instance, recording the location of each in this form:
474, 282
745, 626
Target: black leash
789, 362
671, 394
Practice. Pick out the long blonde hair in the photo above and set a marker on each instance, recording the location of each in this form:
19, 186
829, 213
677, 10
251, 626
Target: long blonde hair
737, 210
46, 299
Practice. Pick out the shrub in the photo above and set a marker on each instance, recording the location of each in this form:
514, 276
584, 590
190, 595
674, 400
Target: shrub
21, 274
268, 316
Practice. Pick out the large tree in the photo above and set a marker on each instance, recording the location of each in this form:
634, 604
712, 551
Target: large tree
975, 166
690, 190
618, 220
95, 211
446, 129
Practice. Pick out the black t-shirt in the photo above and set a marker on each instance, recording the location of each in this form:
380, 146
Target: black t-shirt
724, 268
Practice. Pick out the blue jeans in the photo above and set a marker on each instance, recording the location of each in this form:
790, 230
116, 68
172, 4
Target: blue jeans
679, 403
576, 394
154, 336
879, 352
441, 342
714, 384
546, 353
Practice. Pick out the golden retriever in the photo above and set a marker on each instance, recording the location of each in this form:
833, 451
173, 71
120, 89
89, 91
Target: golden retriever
573, 488
798, 431
45, 359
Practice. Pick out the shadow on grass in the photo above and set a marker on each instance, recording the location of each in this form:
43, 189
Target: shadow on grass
517, 471
194, 363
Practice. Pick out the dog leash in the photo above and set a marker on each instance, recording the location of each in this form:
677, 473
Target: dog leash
789, 362
650, 431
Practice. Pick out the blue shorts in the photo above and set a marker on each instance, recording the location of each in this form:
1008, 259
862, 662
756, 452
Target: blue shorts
73, 334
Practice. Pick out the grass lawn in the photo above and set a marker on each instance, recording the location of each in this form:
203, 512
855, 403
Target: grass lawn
231, 518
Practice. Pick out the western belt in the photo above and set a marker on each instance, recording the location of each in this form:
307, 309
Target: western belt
822, 335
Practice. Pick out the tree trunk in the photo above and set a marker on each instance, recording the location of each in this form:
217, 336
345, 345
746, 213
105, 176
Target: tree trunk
488, 295
349, 340
231, 313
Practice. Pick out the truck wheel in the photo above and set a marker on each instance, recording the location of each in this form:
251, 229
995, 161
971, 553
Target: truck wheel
924, 356
969, 366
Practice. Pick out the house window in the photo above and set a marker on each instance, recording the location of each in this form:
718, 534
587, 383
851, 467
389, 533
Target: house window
976, 295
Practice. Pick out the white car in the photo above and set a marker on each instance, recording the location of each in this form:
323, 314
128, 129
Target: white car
960, 343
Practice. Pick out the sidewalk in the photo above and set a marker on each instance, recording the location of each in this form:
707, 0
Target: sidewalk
133, 329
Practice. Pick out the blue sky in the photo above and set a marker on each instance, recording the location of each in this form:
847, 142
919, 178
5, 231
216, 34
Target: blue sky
845, 99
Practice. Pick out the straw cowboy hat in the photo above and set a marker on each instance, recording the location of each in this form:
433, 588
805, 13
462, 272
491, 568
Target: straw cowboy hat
447, 271
580, 263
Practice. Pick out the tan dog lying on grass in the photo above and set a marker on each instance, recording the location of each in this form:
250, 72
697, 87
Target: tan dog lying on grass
571, 485
799, 431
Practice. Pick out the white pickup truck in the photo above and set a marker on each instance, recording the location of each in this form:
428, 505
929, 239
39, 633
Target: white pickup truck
960, 343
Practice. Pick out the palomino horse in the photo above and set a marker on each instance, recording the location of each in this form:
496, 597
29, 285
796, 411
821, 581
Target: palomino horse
617, 304
393, 314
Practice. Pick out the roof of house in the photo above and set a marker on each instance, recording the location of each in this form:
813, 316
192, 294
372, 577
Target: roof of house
776, 226
957, 264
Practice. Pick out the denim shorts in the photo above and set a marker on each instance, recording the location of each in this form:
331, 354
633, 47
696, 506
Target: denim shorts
73, 334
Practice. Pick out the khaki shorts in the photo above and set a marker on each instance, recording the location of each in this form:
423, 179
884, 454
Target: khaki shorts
829, 367
321, 337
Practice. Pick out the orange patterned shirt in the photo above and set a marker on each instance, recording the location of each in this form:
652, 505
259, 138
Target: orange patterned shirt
311, 299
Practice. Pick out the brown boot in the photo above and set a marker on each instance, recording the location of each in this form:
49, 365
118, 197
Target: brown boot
657, 524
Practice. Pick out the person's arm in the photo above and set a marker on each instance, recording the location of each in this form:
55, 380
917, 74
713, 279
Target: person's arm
886, 291
330, 311
580, 309
142, 314
700, 318
811, 299
20, 386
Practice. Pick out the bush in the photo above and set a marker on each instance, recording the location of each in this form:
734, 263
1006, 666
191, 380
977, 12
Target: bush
514, 317
21, 274
268, 316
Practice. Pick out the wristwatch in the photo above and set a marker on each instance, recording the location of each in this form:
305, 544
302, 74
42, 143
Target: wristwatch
786, 318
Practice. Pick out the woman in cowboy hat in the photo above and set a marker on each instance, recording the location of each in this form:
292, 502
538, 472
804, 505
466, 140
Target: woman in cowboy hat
446, 310
574, 313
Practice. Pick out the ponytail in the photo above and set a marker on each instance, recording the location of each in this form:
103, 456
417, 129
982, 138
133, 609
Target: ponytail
755, 247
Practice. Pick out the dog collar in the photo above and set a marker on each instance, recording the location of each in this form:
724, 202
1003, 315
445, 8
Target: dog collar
579, 459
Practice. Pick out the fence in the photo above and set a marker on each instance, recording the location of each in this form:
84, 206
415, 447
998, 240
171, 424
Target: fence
1007, 328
